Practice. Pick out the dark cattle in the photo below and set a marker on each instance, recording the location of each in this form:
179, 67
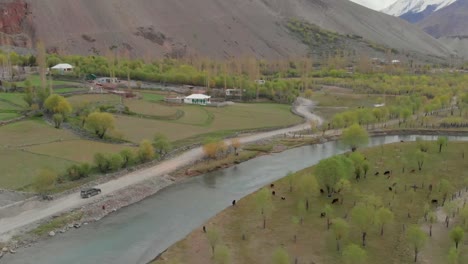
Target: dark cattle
322, 191
387, 172
413, 171
434, 201
272, 185
335, 201
377, 173
430, 187
273, 193
233, 202
402, 141
322, 215
390, 188
283, 198
204, 229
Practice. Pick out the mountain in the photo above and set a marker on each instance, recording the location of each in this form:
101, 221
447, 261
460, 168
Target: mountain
217, 28
416, 10
449, 21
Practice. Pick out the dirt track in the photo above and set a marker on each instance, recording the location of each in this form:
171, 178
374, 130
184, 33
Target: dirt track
42, 210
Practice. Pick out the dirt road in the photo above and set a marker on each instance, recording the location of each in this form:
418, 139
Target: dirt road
42, 210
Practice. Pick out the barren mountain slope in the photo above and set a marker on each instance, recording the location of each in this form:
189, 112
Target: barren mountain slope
449, 21
218, 28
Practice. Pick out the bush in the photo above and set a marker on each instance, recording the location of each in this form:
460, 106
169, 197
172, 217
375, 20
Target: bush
77, 172
101, 162
128, 158
146, 151
115, 162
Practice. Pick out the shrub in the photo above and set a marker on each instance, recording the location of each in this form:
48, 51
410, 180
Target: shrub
146, 151
77, 172
101, 162
128, 158
115, 162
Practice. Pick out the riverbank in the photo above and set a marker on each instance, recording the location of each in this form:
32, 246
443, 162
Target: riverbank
240, 227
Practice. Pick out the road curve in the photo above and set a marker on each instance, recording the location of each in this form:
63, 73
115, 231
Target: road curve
10, 225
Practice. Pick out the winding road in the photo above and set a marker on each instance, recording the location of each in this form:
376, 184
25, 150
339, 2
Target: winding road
9, 226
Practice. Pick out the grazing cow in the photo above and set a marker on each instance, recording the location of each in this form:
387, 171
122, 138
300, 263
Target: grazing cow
402, 141
434, 201
390, 188
335, 201
283, 198
233, 202
322, 215
204, 229
322, 191
413, 171
272, 185
273, 193
387, 172
377, 173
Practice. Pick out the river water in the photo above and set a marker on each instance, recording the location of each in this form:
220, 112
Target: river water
140, 232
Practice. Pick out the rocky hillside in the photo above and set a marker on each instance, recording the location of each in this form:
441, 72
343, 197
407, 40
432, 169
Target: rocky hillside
149, 28
448, 22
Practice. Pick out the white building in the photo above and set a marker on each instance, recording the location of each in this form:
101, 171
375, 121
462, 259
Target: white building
199, 99
63, 67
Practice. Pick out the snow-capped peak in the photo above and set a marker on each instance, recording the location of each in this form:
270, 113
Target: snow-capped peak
402, 7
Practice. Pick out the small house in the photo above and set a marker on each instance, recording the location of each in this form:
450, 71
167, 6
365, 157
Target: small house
199, 99
62, 68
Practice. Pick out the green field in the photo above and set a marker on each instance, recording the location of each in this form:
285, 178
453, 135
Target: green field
199, 120
31, 145
101, 99
36, 81
14, 98
69, 90
316, 244
8, 116
153, 97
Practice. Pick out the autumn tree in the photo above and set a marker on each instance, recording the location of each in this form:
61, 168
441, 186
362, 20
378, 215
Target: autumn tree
456, 235
353, 254
59, 106
146, 151
100, 123
280, 256
416, 238
236, 143
362, 216
44, 180
355, 136
383, 216
264, 204
214, 147
340, 229
162, 144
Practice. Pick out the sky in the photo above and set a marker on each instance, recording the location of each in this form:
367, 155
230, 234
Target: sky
375, 4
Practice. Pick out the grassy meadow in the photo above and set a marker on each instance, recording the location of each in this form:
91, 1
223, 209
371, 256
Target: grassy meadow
316, 244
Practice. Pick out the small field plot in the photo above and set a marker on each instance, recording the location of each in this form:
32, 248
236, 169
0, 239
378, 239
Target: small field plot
76, 150
148, 108
14, 98
199, 120
8, 116
136, 129
31, 132
101, 99
349, 100
19, 168
36, 81
152, 96
69, 90
249, 116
